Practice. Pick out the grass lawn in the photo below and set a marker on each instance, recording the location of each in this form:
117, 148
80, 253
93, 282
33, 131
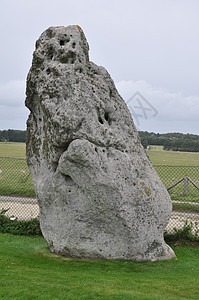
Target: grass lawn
12, 150
173, 158
29, 271
15, 177
157, 155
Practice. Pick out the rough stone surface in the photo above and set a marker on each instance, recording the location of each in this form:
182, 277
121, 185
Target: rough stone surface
98, 194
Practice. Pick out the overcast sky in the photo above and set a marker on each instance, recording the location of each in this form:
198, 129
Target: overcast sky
149, 47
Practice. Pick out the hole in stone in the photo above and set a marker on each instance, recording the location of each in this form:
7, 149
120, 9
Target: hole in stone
73, 45
96, 149
62, 42
40, 119
69, 191
103, 150
64, 60
48, 71
106, 116
68, 57
80, 70
100, 120
99, 116
51, 57
67, 178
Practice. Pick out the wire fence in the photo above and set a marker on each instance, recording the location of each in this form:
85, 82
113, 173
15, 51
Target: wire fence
182, 183
18, 196
17, 193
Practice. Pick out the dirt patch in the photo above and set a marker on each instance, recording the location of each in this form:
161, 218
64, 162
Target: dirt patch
194, 244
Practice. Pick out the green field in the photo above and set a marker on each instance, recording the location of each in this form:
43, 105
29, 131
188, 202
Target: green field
29, 271
172, 158
15, 178
171, 166
13, 150
157, 155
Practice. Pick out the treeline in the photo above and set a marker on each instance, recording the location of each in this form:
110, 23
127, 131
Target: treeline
12, 135
171, 141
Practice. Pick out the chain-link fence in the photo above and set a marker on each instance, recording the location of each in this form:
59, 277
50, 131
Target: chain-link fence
17, 193
182, 183
18, 196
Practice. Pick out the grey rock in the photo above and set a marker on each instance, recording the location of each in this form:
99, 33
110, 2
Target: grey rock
99, 195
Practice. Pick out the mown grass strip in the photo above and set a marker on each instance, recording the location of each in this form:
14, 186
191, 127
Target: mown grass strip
29, 271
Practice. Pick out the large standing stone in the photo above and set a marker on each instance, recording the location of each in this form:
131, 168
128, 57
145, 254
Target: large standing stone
98, 193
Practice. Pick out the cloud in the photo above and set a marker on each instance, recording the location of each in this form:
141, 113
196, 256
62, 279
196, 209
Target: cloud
175, 111
12, 93
13, 113
13, 117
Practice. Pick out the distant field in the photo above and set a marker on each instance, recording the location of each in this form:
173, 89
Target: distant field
156, 147
175, 165
15, 178
175, 158
156, 154
13, 150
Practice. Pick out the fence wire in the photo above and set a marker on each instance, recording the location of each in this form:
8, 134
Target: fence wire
18, 196
182, 183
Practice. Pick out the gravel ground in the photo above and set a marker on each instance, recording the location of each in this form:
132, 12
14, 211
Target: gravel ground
23, 211
27, 211
178, 220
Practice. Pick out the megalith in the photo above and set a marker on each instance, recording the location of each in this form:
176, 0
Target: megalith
98, 194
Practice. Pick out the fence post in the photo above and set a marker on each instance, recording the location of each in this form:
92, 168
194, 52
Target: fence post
185, 185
